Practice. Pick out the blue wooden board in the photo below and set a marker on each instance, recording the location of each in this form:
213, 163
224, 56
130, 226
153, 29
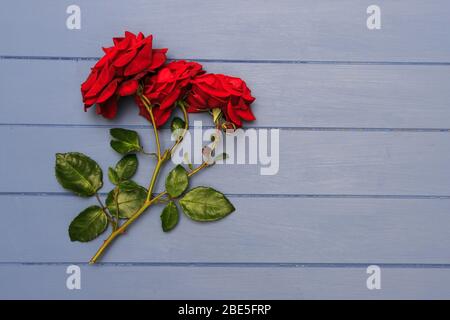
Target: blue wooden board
308, 30
222, 282
263, 230
364, 172
328, 96
310, 162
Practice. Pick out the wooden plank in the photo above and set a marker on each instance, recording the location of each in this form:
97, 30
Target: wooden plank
267, 230
111, 282
324, 162
412, 30
287, 95
344, 196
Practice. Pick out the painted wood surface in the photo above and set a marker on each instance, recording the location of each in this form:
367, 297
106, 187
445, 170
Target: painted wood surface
413, 30
364, 151
319, 95
262, 230
310, 162
221, 282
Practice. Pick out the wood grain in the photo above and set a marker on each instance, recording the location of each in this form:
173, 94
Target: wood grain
300, 95
364, 153
141, 282
262, 230
412, 30
368, 163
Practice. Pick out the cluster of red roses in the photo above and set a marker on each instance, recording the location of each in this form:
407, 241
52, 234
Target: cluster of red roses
132, 62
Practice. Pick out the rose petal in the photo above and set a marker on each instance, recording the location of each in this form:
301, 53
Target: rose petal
108, 109
158, 59
192, 109
89, 81
216, 90
142, 60
162, 119
129, 35
232, 115
128, 88
108, 91
117, 40
170, 99
125, 58
106, 75
89, 102
164, 75
140, 75
247, 115
126, 41
100, 63
142, 109
232, 85
196, 100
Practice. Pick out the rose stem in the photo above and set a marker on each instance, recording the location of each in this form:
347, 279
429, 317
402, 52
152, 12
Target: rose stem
123, 227
108, 216
161, 159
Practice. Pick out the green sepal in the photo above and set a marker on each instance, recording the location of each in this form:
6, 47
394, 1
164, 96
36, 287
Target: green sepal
177, 124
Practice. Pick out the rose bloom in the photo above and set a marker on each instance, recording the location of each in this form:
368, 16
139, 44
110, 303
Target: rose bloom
117, 73
168, 85
230, 94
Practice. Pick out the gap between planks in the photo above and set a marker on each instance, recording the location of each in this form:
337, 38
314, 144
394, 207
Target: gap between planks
237, 265
319, 129
258, 61
263, 195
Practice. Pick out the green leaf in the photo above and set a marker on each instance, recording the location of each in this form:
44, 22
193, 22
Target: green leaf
126, 141
177, 124
127, 167
177, 181
78, 173
206, 204
128, 199
113, 177
169, 217
88, 225
177, 127
217, 113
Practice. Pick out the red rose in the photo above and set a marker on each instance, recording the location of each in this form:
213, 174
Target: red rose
117, 73
230, 94
167, 86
